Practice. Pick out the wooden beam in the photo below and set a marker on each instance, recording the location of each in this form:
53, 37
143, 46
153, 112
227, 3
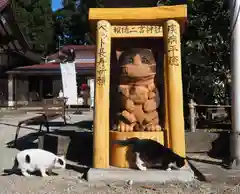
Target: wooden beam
136, 31
138, 16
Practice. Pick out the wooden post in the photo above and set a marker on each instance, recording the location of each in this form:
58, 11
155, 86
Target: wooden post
174, 86
102, 83
166, 121
10, 90
192, 114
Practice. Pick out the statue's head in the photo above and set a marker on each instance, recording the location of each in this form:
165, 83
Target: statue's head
136, 63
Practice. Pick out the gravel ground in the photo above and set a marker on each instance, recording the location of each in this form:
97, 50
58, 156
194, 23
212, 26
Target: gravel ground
59, 184
70, 181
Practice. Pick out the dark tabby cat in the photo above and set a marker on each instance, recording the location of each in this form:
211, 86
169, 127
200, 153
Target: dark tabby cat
151, 154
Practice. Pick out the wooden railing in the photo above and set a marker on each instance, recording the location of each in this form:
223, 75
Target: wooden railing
208, 113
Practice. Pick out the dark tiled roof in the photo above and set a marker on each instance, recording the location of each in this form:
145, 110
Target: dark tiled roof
52, 69
3, 4
12, 39
79, 47
54, 66
75, 47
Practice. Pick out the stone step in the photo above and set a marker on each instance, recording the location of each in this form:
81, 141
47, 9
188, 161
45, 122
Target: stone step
137, 176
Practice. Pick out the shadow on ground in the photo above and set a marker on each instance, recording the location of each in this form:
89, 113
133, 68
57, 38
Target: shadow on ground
79, 148
214, 146
25, 142
87, 124
7, 172
79, 169
221, 146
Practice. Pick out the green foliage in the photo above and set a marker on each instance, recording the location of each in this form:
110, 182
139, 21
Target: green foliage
71, 22
205, 43
206, 52
35, 21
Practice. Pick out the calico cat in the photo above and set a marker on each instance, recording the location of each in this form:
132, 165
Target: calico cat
151, 154
31, 160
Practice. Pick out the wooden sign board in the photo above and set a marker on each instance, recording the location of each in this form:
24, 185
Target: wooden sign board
136, 31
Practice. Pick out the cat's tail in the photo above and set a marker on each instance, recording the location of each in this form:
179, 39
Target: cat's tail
12, 170
130, 141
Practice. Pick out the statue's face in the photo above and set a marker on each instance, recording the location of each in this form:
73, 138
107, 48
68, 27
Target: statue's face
137, 63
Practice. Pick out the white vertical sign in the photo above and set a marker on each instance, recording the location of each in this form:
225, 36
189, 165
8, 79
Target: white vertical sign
69, 82
91, 84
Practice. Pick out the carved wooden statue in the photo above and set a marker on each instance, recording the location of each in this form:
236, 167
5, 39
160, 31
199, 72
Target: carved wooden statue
139, 95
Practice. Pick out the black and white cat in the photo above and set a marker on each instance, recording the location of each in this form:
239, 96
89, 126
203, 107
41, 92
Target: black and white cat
31, 160
151, 154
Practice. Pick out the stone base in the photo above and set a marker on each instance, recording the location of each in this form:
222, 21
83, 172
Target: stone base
149, 176
216, 144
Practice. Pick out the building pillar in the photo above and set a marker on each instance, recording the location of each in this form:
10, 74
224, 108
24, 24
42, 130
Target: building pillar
11, 90
174, 86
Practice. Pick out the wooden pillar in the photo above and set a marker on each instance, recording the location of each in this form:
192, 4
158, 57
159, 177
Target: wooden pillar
167, 142
174, 86
10, 90
102, 85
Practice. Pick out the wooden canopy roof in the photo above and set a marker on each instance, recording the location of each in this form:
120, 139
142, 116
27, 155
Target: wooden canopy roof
139, 16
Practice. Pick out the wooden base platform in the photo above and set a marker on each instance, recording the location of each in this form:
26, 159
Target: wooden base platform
119, 155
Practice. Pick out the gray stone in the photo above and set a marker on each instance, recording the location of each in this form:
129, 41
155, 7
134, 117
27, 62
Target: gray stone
149, 176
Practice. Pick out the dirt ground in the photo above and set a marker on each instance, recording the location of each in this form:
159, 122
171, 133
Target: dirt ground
73, 184
70, 181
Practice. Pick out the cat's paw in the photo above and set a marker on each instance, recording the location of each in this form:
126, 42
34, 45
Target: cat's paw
143, 168
44, 175
168, 169
139, 163
123, 127
26, 174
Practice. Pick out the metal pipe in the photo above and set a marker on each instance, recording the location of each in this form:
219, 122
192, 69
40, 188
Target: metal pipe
235, 70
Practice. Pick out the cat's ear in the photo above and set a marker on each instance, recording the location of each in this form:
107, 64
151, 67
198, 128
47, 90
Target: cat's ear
118, 54
150, 50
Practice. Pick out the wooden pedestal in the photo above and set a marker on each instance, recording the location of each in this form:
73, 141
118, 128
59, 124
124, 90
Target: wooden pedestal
119, 155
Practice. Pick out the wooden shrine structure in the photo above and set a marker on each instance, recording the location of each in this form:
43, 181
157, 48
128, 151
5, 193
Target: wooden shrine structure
165, 23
